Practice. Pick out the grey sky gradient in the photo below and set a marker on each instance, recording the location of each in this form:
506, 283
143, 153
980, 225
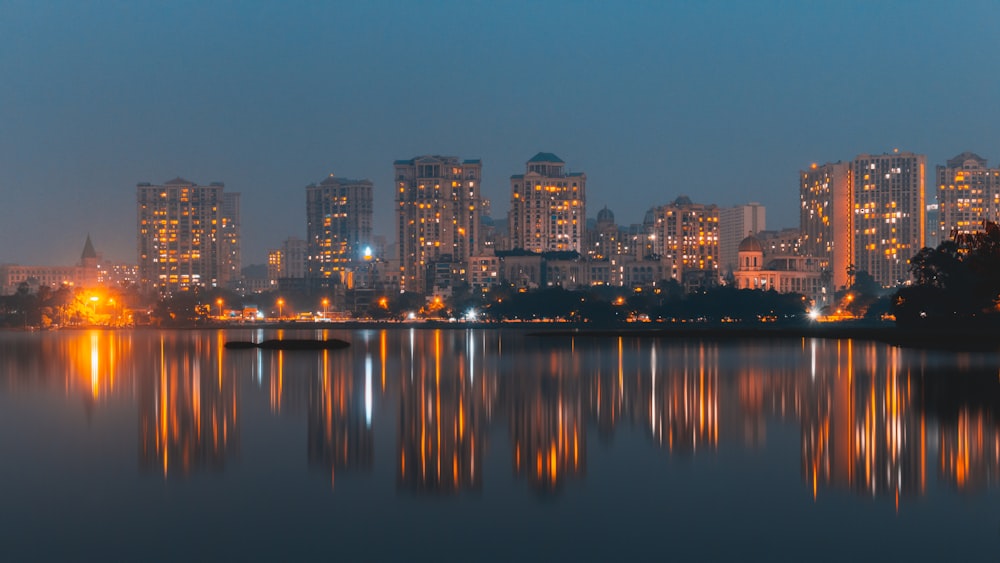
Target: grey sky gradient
722, 101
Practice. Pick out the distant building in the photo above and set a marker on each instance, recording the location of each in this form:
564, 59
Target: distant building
867, 215
968, 193
437, 217
83, 275
826, 215
180, 242
548, 206
784, 274
229, 239
786, 242
288, 262
888, 207
735, 223
688, 234
338, 226
934, 234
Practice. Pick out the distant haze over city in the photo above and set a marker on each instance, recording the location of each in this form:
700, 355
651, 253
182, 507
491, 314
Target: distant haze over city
721, 101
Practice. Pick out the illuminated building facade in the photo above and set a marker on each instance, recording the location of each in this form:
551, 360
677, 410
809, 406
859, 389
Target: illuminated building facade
180, 242
735, 223
968, 193
825, 217
338, 226
85, 273
229, 239
784, 274
688, 234
888, 208
287, 262
548, 206
437, 215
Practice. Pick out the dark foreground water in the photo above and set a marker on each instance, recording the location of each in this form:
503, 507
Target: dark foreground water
465, 445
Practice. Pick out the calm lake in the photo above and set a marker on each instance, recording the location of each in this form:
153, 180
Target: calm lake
469, 445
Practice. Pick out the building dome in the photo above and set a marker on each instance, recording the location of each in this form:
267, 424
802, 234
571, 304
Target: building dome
605, 215
750, 244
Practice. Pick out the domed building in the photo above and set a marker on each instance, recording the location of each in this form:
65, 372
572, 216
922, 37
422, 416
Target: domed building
784, 273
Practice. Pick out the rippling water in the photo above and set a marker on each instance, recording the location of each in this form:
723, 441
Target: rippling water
493, 445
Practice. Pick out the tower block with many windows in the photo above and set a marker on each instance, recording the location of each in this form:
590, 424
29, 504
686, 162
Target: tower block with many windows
180, 235
338, 225
437, 215
548, 206
867, 215
889, 208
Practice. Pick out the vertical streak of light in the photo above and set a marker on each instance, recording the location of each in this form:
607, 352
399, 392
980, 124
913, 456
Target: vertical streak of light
95, 365
471, 348
652, 394
382, 355
368, 390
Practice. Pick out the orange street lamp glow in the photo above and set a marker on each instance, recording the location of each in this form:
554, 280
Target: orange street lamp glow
281, 303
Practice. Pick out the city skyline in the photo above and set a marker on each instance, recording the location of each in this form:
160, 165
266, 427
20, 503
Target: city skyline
711, 100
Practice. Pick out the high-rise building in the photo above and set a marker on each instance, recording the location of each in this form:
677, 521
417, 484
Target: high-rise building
548, 206
968, 193
288, 262
339, 226
437, 215
688, 234
735, 224
825, 217
867, 215
889, 208
229, 237
180, 243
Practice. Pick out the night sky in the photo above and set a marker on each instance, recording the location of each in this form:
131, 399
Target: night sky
722, 101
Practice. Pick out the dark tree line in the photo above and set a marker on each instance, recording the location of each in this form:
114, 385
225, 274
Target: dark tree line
603, 307
956, 283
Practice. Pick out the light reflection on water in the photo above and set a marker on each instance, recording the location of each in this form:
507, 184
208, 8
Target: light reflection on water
441, 412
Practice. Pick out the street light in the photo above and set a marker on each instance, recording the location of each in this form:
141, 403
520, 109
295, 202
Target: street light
326, 302
281, 303
219, 303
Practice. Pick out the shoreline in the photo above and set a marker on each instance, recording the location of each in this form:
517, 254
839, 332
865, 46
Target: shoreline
961, 339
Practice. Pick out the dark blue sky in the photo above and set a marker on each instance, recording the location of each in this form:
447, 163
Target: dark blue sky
722, 101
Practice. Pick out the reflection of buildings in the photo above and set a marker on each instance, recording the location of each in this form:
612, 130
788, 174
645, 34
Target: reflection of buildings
548, 427
547, 410
860, 430
339, 425
441, 424
970, 451
187, 411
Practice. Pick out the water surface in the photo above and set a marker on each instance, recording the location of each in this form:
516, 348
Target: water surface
493, 445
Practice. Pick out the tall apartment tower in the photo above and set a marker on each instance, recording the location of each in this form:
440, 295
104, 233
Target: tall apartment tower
889, 213
437, 215
338, 226
688, 234
229, 238
548, 206
735, 223
179, 242
968, 193
826, 216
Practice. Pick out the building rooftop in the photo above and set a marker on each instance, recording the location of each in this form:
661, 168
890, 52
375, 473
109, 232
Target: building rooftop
88, 250
750, 244
546, 157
